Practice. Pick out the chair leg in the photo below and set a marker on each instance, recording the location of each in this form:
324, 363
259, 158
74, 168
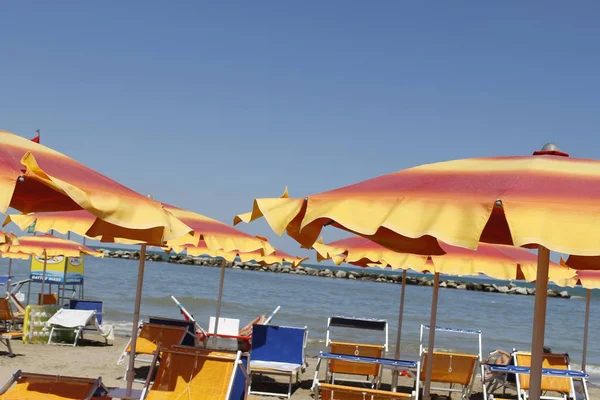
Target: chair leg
290, 387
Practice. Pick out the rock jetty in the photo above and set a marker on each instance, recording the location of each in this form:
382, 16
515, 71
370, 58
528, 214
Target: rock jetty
332, 273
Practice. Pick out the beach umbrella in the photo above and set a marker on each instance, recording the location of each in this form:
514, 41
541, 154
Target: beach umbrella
588, 277
277, 257
35, 178
45, 247
495, 261
216, 235
546, 201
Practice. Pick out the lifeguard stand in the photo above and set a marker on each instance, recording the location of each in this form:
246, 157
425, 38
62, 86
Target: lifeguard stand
372, 372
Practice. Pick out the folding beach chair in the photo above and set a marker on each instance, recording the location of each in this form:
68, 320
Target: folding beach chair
7, 318
191, 373
453, 369
329, 391
76, 321
549, 374
150, 337
563, 387
335, 367
26, 386
279, 351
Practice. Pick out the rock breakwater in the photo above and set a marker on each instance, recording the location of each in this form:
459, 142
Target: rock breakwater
332, 273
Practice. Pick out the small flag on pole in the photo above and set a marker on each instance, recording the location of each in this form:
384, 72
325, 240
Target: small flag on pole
37, 138
31, 228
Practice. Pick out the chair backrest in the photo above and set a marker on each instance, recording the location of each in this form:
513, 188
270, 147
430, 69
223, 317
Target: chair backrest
451, 367
551, 360
96, 305
153, 335
227, 326
47, 299
193, 374
278, 343
247, 330
188, 340
5, 310
355, 349
29, 386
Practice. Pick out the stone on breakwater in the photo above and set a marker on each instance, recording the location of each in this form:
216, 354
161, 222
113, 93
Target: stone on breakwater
461, 287
340, 274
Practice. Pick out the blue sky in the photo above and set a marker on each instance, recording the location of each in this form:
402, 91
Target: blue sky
208, 105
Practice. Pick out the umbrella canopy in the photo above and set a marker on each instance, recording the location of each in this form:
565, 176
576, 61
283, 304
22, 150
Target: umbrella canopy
495, 261
277, 257
547, 200
215, 235
35, 178
45, 246
504, 200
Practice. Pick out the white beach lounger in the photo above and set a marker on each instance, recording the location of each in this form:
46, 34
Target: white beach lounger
76, 321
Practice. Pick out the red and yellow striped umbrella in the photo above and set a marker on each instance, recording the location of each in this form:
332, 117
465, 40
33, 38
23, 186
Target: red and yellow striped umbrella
547, 200
504, 200
35, 178
496, 261
277, 257
215, 235
46, 246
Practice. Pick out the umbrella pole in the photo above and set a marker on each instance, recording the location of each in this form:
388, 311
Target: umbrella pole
431, 344
43, 276
586, 329
214, 340
136, 317
539, 323
9, 272
395, 373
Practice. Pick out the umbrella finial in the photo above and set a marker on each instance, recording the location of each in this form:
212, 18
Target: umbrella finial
550, 149
150, 196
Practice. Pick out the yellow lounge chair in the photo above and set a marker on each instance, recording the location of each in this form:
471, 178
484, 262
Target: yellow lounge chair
453, 369
6, 314
150, 337
25, 386
562, 386
192, 373
353, 368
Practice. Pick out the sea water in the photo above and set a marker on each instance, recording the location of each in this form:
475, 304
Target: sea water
505, 320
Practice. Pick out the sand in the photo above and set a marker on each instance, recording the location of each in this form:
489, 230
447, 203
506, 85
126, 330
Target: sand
92, 359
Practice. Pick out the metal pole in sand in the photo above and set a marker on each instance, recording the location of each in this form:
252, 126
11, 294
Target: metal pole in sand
539, 323
9, 272
136, 318
431, 344
43, 276
395, 373
214, 340
586, 328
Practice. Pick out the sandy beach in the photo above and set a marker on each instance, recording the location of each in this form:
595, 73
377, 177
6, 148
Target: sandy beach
93, 358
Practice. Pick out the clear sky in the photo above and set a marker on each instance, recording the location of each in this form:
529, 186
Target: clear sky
208, 105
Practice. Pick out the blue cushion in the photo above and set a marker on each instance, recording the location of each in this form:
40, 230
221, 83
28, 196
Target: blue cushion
277, 343
97, 305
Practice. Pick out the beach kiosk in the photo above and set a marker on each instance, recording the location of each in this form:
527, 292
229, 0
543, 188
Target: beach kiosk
364, 348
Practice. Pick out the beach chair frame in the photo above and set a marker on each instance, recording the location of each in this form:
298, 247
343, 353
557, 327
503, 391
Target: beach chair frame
402, 365
466, 389
560, 373
78, 332
291, 374
354, 322
19, 374
524, 393
198, 352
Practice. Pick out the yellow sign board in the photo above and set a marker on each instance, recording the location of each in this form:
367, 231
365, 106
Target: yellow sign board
55, 270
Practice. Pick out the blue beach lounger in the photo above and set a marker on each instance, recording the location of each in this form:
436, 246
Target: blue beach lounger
279, 351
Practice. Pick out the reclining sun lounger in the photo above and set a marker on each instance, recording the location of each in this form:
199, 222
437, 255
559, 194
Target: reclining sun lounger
453, 369
335, 368
76, 321
25, 386
279, 351
7, 317
551, 383
191, 373
549, 378
332, 391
